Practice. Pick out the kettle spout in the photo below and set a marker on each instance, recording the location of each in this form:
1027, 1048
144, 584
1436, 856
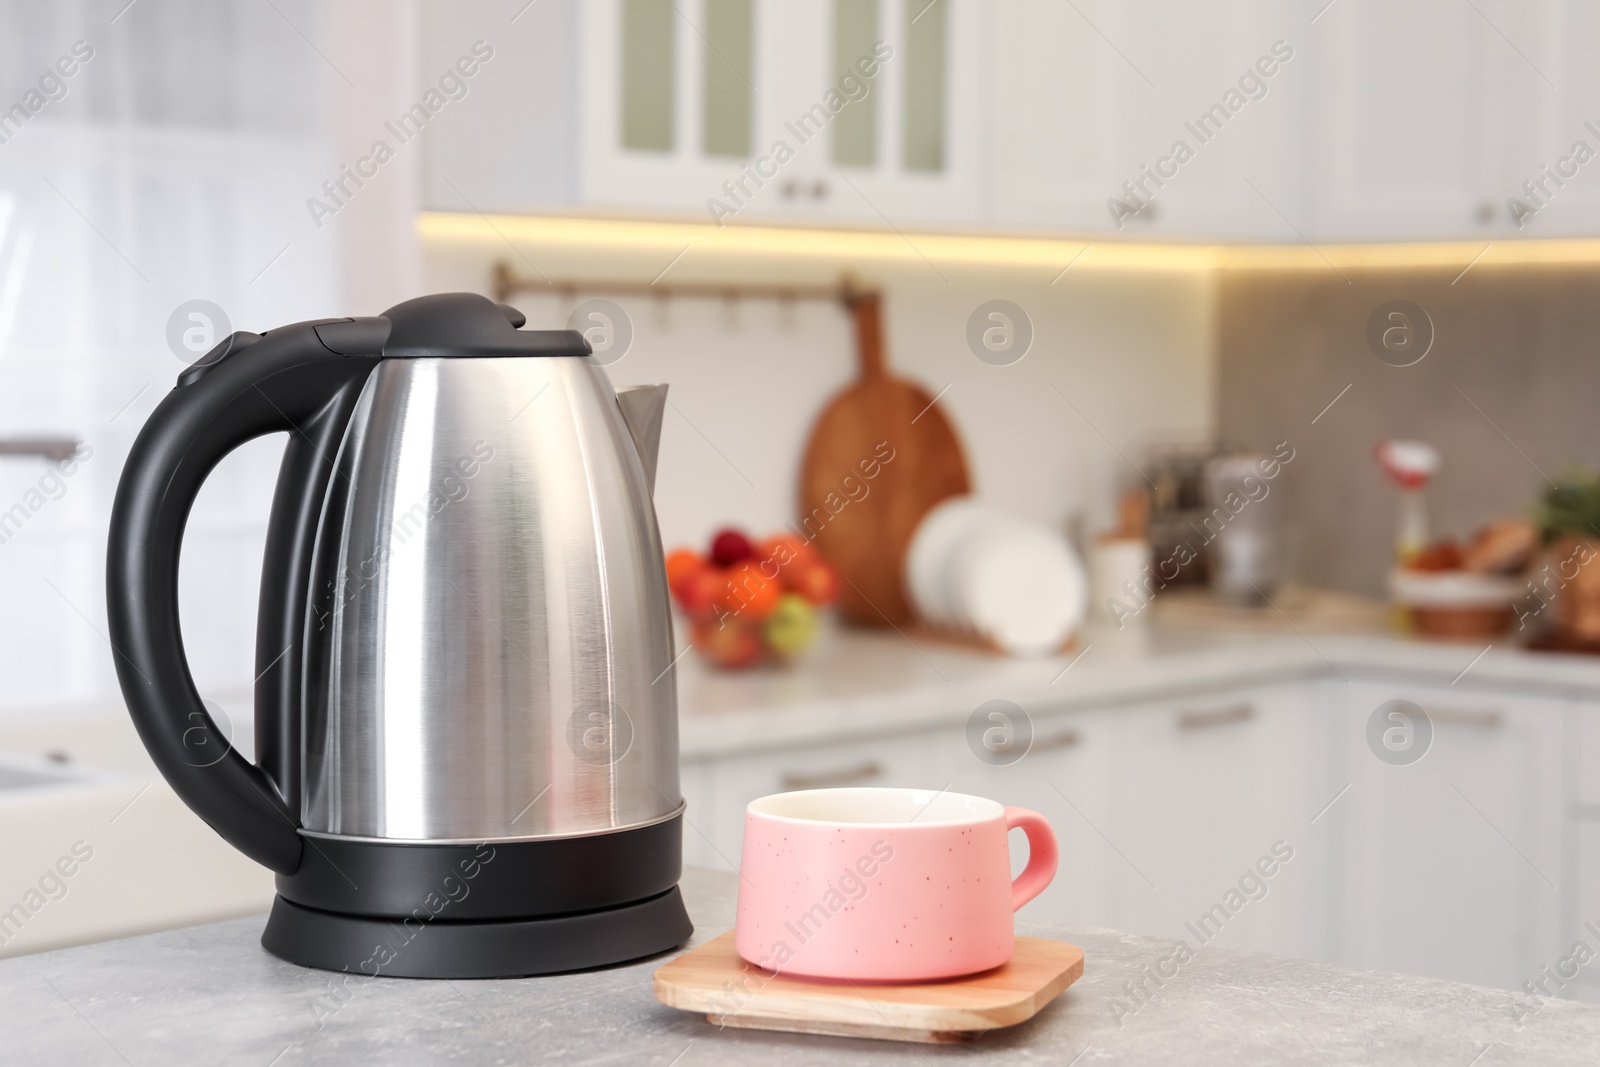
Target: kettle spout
642, 409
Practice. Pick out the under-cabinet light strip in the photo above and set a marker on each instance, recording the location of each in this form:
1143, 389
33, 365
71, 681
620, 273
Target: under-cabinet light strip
831, 245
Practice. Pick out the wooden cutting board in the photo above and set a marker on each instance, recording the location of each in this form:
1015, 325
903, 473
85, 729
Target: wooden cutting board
713, 979
880, 456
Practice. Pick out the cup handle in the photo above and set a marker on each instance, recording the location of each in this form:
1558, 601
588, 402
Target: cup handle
1043, 857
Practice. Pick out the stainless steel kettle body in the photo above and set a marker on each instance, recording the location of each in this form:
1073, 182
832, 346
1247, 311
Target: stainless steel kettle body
466, 719
488, 641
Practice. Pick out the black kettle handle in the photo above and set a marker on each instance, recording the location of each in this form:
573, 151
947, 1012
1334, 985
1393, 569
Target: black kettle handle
305, 379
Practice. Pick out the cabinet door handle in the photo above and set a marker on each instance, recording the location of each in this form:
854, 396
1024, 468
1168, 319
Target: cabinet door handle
860, 772
1207, 720
1061, 739
1477, 720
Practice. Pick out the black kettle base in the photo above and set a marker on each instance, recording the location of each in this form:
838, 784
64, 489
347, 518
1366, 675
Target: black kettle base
488, 948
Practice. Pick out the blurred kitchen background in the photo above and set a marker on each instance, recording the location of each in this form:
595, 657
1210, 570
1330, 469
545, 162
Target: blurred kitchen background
1382, 226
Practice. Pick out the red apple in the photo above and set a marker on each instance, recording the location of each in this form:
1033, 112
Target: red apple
748, 593
729, 644
700, 590
786, 550
816, 581
682, 563
730, 546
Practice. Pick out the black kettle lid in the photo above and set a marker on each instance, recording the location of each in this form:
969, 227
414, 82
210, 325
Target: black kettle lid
467, 324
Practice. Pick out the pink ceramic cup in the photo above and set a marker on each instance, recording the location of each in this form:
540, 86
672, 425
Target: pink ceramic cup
884, 885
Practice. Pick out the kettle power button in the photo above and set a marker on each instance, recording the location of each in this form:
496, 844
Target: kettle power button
229, 344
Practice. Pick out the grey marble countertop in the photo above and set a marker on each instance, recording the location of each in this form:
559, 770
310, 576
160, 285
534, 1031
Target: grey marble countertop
211, 994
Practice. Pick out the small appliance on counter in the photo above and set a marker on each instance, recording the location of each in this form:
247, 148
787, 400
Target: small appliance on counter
1241, 528
1176, 475
466, 768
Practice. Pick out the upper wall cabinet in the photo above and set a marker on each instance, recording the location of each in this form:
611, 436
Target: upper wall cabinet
1421, 115
839, 109
1553, 169
1255, 120
1142, 118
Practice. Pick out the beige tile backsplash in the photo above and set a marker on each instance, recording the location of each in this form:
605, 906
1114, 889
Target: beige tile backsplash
1508, 394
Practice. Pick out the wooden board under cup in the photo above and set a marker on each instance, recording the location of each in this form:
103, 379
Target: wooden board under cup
711, 978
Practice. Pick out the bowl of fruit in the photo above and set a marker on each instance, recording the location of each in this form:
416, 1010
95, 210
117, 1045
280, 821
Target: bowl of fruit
751, 602
1467, 592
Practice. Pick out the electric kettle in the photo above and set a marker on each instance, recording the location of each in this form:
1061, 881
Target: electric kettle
465, 715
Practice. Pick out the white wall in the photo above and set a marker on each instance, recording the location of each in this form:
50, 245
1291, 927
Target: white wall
1131, 350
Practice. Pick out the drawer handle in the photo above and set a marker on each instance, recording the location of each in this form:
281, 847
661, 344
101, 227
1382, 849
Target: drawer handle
1051, 742
861, 772
1477, 720
1208, 720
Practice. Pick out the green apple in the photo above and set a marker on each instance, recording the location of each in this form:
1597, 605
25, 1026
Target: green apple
792, 626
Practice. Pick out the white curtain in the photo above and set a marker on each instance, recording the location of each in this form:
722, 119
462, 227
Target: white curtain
174, 165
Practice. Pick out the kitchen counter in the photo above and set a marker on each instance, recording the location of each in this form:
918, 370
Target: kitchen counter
858, 683
211, 994
855, 698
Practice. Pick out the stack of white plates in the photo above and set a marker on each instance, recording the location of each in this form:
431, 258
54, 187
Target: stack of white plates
974, 569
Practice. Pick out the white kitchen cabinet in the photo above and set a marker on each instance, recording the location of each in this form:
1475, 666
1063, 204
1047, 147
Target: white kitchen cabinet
1581, 914
676, 173
1159, 808
1419, 117
1449, 866
718, 791
1047, 111
1066, 776
790, 71
1390, 121
694, 780
1580, 911
1205, 787
929, 182
1095, 95
1555, 37
1053, 149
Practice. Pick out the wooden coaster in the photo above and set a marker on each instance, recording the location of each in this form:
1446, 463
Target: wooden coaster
713, 979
